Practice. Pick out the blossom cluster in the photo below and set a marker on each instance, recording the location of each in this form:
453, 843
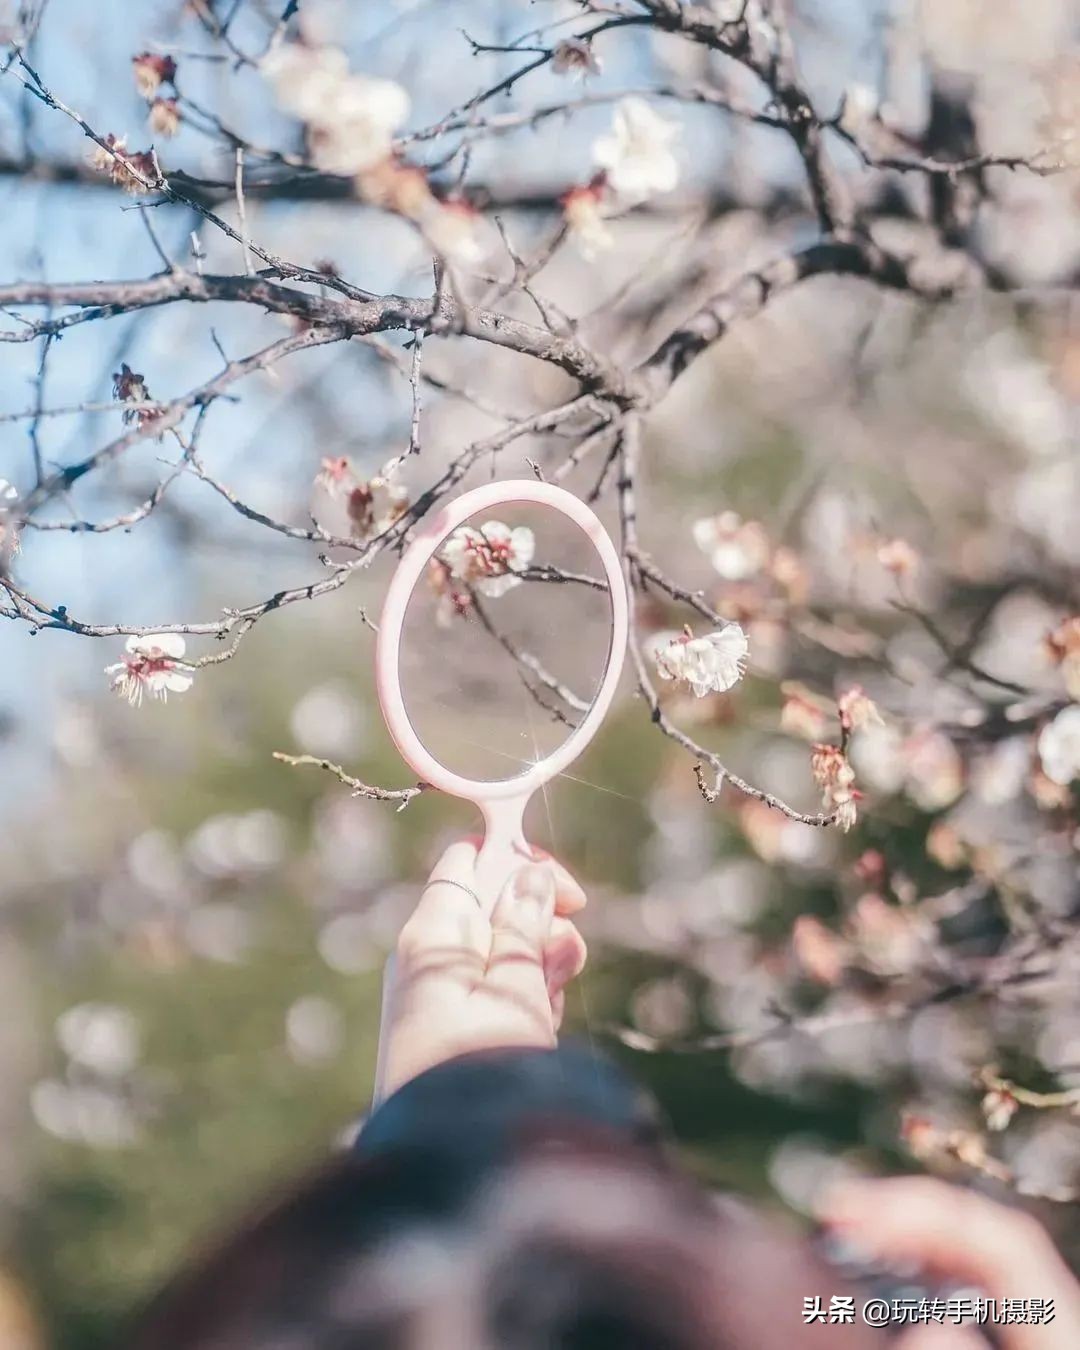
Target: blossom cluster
635, 160
740, 551
352, 120
710, 664
370, 505
487, 559
153, 664
834, 775
152, 71
130, 387
136, 171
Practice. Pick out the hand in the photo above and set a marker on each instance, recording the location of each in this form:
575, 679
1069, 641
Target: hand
463, 982
958, 1235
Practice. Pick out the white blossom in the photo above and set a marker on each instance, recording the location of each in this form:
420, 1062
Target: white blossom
489, 557
857, 710
150, 71
1000, 774
860, 107
164, 117
878, 756
452, 598
998, 1108
450, 227
845, 804
352, 118
804, 713
897, 556
345, 503
150, 666
574, 57
9, 498
637, 154
305, 80
356, 131
736, 549
710, 664
1059, 746
583, 212
934, 771
834, 775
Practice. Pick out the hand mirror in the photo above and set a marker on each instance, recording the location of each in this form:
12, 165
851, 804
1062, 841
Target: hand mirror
500, 646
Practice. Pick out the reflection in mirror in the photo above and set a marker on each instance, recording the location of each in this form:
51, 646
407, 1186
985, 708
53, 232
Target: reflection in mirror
505, 641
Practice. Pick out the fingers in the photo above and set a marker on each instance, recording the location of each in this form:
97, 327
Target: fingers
463, 982
447, 924
458, 862
956, 1233
525, 955
570, 897
521, 930
564, 960
944, 1228
564, 955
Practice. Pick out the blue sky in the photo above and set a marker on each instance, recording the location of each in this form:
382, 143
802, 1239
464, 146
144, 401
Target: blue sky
269, 445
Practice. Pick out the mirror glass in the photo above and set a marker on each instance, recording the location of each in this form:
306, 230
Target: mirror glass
505, 641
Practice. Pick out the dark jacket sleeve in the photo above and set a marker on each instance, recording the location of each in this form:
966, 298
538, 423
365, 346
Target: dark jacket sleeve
483, 1106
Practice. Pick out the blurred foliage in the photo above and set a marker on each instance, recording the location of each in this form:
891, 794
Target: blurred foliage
221, 1039
224, 1110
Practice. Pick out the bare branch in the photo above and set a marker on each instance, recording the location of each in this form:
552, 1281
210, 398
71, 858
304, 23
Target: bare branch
403, 796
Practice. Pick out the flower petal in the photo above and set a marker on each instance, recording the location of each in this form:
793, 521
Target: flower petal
522, 547
171, 644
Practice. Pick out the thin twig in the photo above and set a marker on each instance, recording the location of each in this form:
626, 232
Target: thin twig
403, 796
241, 212
414, 384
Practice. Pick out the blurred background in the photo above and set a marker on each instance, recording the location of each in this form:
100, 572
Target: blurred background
192, 932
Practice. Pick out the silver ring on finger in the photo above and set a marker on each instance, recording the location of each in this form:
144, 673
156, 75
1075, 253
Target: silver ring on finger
445, 881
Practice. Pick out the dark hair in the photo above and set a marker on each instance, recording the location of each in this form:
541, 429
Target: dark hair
579, 1243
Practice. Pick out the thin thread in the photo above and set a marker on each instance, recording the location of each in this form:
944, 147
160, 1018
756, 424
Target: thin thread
529, 710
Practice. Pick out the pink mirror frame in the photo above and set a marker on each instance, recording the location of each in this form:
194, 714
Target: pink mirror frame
502, 803
424, 545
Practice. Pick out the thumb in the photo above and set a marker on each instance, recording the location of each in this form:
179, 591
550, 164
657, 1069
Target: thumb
527, 905
521, 926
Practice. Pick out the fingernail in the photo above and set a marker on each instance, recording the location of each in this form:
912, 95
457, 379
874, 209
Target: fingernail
535, 886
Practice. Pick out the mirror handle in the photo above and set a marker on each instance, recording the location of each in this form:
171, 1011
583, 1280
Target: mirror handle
504, 849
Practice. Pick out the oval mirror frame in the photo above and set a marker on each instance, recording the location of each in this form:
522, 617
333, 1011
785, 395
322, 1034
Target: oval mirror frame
425, 543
